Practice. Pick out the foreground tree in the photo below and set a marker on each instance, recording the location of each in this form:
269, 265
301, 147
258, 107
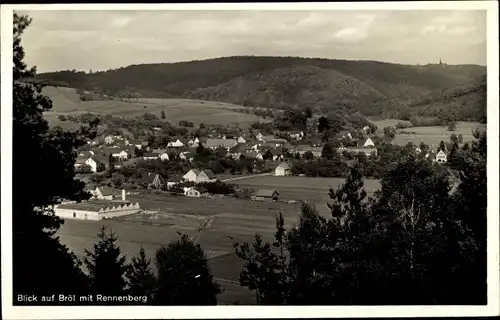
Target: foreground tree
106, 265
184, 277
44, 157
141, 278
413, 242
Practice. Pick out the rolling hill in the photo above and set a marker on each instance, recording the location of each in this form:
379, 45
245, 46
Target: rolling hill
371, 87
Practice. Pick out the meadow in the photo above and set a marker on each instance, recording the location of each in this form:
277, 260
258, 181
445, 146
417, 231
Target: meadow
211, 223
431, 136
314, 190
66, 101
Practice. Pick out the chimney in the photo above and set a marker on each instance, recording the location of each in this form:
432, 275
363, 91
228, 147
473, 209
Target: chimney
123, 194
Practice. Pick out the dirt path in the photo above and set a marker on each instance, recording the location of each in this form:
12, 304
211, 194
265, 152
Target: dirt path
246, 177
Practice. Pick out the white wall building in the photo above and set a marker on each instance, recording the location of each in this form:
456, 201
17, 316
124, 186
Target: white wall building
283, 169
95, 209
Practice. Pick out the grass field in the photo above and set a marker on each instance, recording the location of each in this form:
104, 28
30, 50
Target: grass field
66, 101
311, 189
223, 220
428, 135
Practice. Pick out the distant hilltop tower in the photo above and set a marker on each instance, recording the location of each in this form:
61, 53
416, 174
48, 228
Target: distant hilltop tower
440, 62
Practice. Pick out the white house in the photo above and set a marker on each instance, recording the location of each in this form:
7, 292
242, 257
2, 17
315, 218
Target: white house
177, 144
441, 157
241, 140
186, 155
195, 175
366, 129
368, 143
283, 169
418, 150
297, 135
109, 139
195, 192
105, 193
259, 136
164, 156
92, 164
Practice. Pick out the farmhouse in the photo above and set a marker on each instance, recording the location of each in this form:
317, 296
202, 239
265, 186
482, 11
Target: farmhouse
441, 157
176, 144
283, 169
266, 195
195, 175
96, 209
224, 143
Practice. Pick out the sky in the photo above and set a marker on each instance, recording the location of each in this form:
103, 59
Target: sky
102, 40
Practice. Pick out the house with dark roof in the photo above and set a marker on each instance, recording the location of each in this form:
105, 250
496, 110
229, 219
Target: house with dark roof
173, 180
316, 151
150, 156
266, 195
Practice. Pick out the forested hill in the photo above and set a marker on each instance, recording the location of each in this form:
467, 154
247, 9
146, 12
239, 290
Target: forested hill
278, 82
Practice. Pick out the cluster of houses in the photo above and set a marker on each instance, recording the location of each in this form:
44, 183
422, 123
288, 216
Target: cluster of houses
256, 146
117, 149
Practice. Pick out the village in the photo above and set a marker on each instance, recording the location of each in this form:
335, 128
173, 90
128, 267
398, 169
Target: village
275, 155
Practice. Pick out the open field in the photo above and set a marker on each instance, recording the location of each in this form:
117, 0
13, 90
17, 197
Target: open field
428, 135
67, 102
433, 135
311, 189
212, 223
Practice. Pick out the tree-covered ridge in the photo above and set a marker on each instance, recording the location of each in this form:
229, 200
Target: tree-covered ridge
373, 88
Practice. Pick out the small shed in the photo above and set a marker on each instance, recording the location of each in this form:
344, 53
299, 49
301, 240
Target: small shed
266, 195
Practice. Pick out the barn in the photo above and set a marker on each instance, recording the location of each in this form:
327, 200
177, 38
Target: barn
266, 195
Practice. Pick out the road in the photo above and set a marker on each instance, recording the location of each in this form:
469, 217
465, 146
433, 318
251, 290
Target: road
246, 177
